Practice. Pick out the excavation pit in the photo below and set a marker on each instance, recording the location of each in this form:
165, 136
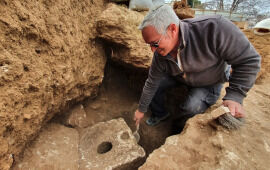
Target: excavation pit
109, 145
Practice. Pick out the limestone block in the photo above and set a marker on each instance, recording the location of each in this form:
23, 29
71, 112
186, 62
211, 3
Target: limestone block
77, 117
55, 148
184, 13
119, 27
109, 145
182, 10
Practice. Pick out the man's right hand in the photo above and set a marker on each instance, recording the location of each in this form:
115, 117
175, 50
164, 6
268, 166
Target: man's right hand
138, 117
235, 108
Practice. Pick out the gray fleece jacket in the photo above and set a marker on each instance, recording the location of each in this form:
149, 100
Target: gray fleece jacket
207, 45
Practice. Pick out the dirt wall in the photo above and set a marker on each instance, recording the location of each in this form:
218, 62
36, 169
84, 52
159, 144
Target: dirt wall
262, 45
49, 58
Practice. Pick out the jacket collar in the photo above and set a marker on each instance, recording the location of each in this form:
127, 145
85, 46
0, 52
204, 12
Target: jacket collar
183, 34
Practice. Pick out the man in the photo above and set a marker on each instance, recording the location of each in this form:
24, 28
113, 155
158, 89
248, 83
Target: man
198, 53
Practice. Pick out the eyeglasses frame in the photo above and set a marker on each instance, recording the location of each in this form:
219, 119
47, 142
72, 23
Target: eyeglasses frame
156, 45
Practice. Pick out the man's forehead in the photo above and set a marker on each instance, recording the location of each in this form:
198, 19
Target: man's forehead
149, 29
150, 34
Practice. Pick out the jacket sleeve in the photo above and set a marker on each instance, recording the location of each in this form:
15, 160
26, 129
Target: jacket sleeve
234, 47
156, 72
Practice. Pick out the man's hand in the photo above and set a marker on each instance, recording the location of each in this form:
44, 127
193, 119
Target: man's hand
235, 108
138, 117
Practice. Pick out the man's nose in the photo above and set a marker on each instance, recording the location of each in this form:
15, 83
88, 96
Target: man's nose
153, 48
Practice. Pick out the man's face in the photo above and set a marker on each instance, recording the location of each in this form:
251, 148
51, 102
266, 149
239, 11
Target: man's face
165, 42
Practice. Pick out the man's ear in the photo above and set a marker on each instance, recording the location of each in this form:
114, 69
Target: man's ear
173, 30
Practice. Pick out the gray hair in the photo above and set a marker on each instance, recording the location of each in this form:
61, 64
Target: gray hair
160, 17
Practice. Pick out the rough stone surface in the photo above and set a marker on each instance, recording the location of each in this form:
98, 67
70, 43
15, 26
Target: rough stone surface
77, 117
55, 148
182, 10
119, 27
109, 145
49, 58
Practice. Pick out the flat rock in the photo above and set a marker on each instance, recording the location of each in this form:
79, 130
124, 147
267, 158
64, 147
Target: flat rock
109, 145
55, 148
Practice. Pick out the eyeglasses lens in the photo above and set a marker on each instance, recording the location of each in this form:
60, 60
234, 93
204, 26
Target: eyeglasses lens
155, 45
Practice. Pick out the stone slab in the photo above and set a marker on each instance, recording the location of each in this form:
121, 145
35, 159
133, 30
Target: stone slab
109, 145
56, 148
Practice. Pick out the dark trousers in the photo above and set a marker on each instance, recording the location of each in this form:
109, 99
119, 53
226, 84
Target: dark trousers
197, 100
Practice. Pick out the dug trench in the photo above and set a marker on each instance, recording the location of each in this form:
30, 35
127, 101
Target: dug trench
118, 97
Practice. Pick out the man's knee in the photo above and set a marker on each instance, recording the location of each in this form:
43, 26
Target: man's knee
200, 99
214, 94
193, 107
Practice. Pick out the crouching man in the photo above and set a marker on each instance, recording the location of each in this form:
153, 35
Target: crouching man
198, 53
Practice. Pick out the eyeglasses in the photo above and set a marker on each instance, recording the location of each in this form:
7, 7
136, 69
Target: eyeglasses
156, 44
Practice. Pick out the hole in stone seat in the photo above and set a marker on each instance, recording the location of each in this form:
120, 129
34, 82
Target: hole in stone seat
104, 147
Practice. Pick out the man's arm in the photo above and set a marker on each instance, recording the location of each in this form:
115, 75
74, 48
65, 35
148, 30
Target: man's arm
156, 72
234, 47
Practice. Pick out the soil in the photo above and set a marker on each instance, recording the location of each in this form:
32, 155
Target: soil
49, 59
118, 97
262, 45
47, 64
121, 89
